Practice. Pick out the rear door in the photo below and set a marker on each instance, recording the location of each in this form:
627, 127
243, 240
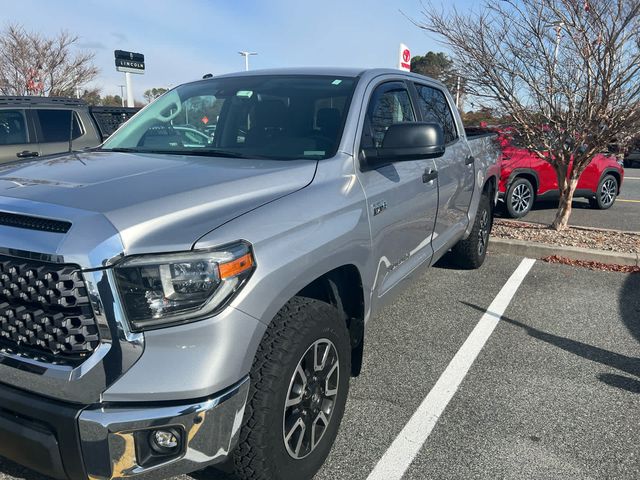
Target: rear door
54, 126
402, 205
455, 168
17, 140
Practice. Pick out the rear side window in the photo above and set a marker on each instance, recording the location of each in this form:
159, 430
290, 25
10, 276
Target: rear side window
13, 127
55, 125
389, 104
434, 107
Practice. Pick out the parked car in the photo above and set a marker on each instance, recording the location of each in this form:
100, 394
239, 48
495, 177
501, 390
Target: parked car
168, 306
632, 159
526, 178
39, 126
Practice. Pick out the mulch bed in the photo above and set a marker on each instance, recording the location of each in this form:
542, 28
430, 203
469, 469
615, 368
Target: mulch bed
613, 241
591, 265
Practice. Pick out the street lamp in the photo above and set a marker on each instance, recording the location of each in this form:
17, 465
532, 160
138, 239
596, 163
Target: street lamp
246, 56
122, 93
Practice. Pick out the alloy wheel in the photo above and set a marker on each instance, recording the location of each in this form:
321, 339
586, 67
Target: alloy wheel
608, 192
312, 394
483, 232
521, 198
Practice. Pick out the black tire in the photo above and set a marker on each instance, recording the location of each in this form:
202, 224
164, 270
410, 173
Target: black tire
471, 252
262, 453
519, 198
606, 194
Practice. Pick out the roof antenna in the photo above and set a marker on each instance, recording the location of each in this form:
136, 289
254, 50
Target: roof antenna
207, 75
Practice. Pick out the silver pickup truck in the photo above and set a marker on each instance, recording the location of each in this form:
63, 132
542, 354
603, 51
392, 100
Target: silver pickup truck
170, 302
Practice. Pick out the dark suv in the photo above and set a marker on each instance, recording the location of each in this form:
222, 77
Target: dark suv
38, 126
632, 159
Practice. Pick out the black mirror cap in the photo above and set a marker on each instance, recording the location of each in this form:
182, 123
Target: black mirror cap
405, 142
413, 135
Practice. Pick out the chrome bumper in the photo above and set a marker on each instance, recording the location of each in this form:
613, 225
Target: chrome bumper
112, 438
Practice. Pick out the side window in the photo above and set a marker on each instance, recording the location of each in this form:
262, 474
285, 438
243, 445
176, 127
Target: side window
434, 108
389, 104
13, 127
55, 125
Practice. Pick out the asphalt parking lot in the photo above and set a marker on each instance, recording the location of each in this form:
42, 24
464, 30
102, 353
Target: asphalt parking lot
623, 215
554, 392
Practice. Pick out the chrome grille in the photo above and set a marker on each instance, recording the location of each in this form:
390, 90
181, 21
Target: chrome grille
45, 309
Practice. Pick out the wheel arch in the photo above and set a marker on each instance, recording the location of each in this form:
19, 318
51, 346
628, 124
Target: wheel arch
529, 174
614, 173
491, 187
342, 288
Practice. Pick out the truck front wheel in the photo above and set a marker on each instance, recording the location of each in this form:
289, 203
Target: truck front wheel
299, 386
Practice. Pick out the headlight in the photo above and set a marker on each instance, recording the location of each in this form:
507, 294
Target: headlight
163, 290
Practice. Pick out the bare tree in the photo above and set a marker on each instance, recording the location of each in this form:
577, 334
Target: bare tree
153, 93
565, 71
31, 63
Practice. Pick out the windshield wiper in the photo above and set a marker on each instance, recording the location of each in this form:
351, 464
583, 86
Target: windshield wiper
205, 152
214, 152
117, 149
200, 152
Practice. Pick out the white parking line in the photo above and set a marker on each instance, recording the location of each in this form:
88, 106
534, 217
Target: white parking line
397, 459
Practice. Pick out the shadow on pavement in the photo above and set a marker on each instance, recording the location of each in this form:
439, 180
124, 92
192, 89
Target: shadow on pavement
211, 473
11, 469
620, 381
629, 305
621, 362
447, 262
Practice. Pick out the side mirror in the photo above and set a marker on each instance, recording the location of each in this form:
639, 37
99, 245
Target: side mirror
407, 141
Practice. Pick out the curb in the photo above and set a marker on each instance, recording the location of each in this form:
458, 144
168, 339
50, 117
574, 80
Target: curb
539, 250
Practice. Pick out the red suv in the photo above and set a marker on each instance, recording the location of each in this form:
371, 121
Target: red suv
526, 178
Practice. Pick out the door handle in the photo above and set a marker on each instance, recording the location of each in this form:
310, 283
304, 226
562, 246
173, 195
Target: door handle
469, 160
27, 154
429, 175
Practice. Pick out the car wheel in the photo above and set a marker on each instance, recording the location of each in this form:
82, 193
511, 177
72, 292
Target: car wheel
471, 252
519, 198
606, 193
299, 386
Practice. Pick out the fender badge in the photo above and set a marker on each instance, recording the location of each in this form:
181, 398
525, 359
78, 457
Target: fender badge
379, 207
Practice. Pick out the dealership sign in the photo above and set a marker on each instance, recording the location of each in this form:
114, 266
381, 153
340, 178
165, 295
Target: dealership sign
404, 58
129, 61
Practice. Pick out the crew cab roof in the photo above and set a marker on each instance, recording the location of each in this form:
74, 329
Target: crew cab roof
328, 71
25, 101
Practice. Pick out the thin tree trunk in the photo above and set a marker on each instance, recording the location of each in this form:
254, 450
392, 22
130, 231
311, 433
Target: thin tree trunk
567, 185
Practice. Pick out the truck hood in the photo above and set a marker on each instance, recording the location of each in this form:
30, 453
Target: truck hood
137, 203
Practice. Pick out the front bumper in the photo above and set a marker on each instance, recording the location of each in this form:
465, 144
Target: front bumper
110, 441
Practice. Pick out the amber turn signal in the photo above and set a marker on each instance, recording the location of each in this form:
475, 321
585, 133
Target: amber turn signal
236, 267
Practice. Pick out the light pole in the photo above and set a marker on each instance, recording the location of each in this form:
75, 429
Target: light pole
558, 26
122, 93
246, 56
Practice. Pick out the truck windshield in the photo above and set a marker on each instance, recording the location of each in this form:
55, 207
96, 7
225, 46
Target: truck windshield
273, 117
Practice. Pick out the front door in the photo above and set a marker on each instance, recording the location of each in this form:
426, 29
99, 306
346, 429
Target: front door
402, 203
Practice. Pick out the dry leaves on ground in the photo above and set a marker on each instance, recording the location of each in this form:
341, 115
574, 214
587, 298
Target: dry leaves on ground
591, 265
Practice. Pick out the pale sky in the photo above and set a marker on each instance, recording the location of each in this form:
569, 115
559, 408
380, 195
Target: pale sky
182, 40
